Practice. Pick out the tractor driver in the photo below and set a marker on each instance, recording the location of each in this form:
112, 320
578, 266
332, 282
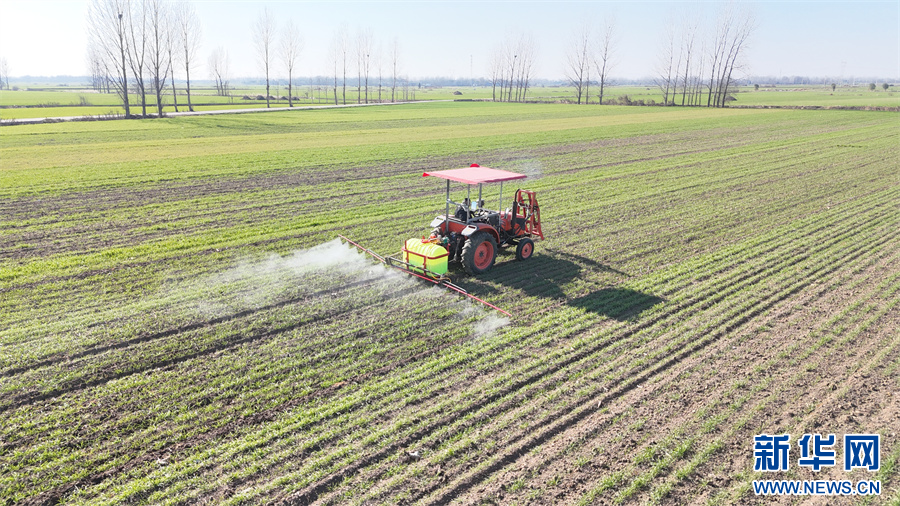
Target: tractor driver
462, 210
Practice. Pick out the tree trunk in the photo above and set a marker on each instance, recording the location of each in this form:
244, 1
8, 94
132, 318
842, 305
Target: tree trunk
290, 93
124, 79
174, 93
190, 106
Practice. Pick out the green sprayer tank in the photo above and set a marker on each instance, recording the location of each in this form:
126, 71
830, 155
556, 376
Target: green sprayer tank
426, 254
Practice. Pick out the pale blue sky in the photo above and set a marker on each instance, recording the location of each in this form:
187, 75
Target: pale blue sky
862, 39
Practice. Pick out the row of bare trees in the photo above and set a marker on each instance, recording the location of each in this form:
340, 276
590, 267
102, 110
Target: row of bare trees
590, 59
135, 46
273, 48
370, 67
694, 69
511, 68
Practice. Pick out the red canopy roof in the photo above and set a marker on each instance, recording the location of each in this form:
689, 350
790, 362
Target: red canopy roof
476, 175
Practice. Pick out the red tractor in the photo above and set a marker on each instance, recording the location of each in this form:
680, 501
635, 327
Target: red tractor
473, 235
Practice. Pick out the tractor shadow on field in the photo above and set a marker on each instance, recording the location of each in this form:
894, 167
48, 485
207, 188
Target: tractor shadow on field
547, 274
620, 304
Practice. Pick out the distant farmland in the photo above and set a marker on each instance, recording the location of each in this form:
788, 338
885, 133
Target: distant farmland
64, 101
179, 325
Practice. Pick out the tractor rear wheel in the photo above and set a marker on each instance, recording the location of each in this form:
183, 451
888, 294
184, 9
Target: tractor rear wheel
478, 253
525, 249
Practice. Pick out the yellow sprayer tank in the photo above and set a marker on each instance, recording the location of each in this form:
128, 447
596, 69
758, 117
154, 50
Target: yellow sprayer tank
426, 254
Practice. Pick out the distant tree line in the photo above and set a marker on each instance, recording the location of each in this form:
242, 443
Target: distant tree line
590, 59
378, 70
694, 69
511, 69
135, 46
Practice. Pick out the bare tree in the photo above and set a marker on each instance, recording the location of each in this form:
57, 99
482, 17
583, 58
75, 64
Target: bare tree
688, 34
291, 45
363, 55
666, 63
189, 33
366, 49
335, 57
378, 59
605, 48
744, 29
4, 73
137, 44
716, 57
107, 27
578, 63
733, 29
697, 79
218, 70
511, 57
99, 78
526, 51
395, 67
495, 71
172, 35
341, 48
158, 62
264, 37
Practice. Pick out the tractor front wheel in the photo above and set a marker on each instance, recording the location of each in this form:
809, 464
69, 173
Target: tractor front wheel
478, 253
525, 249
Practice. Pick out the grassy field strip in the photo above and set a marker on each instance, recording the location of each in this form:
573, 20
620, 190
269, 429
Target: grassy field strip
685, 219
37, 383
290, 397
738, 312
195, 168
741, 488
93, 209
168, 210
674, 445
643, 479
176, 305
189, 308
44, 157
301, 351
99, 174
251, 380
824, 333
215, 297
162, 245
71, 265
